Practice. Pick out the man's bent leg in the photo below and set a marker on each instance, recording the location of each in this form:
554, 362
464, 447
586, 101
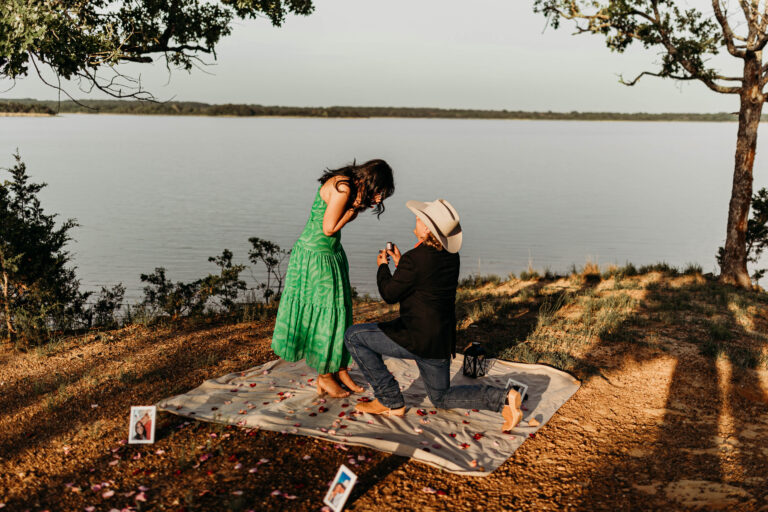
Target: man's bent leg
367, 343
436, 374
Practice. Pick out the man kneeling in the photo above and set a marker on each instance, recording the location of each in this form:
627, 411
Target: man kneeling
424, 283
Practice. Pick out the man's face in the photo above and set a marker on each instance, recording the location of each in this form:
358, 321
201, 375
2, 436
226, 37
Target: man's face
421, 231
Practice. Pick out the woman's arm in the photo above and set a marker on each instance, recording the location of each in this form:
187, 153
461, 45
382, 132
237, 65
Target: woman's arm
336, 213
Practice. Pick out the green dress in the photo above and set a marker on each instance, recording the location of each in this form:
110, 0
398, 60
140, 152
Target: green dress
316, 305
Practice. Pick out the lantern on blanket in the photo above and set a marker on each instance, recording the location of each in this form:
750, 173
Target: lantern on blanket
476, 362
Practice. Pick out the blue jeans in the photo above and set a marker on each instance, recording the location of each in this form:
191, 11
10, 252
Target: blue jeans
367, 343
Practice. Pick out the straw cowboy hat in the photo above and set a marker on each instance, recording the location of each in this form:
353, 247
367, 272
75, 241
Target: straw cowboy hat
442, 220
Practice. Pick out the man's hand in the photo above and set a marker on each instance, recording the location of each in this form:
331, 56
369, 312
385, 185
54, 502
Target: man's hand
382, 258
394, 254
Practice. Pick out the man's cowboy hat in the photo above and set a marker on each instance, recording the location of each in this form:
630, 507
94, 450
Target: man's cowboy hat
442, 220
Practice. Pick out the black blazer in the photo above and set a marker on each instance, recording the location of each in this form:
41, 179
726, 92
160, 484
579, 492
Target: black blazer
424, 284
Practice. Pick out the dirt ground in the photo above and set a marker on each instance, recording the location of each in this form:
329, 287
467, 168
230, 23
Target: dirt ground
660, 425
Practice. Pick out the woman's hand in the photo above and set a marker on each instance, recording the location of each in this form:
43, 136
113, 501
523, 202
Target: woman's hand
395, 254
382, 258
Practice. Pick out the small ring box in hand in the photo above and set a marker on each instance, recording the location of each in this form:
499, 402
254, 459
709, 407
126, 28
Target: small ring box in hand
390, 246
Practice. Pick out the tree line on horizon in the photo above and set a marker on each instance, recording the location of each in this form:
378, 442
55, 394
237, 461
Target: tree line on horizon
194, 108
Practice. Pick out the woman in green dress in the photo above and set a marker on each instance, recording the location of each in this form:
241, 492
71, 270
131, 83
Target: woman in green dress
316, 304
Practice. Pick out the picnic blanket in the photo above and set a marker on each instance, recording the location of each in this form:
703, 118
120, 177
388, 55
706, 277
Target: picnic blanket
282, 397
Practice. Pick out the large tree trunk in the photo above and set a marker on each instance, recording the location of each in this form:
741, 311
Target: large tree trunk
734, 264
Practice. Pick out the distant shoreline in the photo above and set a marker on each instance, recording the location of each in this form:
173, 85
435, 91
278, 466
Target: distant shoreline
22, 107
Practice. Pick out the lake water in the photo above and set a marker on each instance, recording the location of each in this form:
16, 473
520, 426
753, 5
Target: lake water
172, 191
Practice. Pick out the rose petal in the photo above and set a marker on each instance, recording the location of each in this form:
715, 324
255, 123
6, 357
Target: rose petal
276, 493
108, 494
429, 490
141, 497
237, 493
263, 461
307, 457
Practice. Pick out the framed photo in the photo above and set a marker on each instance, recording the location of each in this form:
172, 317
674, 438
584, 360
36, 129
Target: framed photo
519, 387
340, 489
141, 428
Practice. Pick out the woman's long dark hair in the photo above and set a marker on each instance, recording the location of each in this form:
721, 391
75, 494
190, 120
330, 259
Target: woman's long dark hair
371, 178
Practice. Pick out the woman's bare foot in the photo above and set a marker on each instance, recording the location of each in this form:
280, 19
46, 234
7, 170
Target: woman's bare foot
345, 379
326, 384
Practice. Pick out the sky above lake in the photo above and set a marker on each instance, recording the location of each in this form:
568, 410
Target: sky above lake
486, 54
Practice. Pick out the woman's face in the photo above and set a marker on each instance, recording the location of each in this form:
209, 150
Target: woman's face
421, 231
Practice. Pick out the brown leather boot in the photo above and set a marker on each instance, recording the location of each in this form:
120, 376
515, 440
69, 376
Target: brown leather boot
511, 412
376, 407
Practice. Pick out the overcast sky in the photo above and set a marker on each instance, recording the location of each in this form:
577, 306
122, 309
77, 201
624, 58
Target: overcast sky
488, 54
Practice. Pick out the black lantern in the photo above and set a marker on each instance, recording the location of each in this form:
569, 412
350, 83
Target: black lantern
476, 362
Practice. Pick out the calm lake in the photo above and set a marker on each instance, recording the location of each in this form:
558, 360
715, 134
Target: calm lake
172, 191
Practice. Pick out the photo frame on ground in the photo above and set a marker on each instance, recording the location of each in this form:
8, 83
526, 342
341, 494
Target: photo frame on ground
141, 429
340, 489
519, 387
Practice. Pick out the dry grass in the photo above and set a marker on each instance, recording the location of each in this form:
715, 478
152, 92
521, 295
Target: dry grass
65, 404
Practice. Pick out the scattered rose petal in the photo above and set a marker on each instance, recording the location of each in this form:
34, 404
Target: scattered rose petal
432, 412
429, 490
289, 496
465, 422
141, 497
160, 451
94, 406
371, 422
75, 489
361, 457
96, 487
442, 493
238, 466
425, 442
531, 435
307, 457
478, 436
313, 414
253, 470
332, 432
418, 430
87, 509
237, 493
204, 457
533, 422
436, 446
276, 493
143, 488
252, 384
421, 412
345, 405
137, 456
473, 463
114, 462
108, 494
464, 446
424, 421
342, 414
263, 461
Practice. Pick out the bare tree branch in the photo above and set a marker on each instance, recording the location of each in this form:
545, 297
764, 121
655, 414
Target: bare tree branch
727, 31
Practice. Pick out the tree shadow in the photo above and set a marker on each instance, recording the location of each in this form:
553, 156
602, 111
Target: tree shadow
706, 436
